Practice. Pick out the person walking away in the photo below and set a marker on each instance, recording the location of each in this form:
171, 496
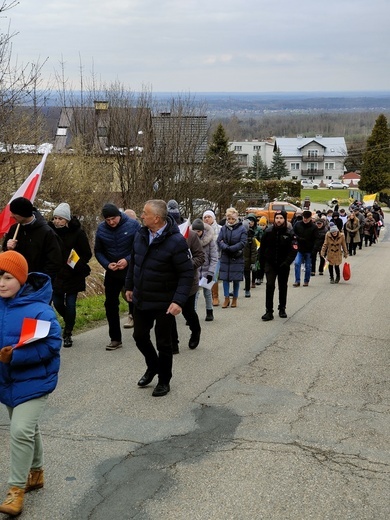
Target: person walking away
307, 233
333, 250
113, 245
352, 233
207, 269
210, 219
70, 280
28, 372
231, 242
369, 229
278, 250
158, 282
250, 255
34, 239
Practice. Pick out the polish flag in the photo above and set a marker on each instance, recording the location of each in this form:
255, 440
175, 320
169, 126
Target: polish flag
185, 228
28, 190
32, 330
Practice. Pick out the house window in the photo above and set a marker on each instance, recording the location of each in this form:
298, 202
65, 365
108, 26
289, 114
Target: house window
102, 131
312, 167
238, 148
61, 130
242, 160
329, 166
312, 153
295, 166
256, 148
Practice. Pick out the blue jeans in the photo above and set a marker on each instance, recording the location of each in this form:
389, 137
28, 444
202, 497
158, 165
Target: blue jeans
226, 289
302, 258
65, 305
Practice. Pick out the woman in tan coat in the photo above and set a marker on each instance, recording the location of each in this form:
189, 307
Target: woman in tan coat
352, 233
333, 249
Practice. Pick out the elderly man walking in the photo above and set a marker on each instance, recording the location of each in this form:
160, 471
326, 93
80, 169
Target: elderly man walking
158, 282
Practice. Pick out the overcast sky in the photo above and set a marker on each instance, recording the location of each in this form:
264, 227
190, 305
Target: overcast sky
210, 45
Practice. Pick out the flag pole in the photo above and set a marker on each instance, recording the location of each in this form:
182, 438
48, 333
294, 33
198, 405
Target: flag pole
16, 232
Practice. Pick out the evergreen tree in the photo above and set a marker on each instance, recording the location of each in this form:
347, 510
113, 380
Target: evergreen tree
258, 170
220, 161
278, 166
375, 172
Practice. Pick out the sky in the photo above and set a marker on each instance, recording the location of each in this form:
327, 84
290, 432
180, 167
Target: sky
207, 45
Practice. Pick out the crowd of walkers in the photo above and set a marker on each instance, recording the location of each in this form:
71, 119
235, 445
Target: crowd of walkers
160, 265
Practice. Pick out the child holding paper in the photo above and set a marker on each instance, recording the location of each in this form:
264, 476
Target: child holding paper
28, 372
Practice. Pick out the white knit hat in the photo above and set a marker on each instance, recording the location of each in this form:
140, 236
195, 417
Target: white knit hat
62, 211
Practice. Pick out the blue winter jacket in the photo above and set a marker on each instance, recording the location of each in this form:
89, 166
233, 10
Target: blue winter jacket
231, 242
162, 272
33, 370
114, 243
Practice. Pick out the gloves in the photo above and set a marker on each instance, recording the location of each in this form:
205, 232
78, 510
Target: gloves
6, 354
209, 278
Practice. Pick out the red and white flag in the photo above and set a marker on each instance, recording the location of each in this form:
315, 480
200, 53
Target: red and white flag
28, 190
185, 228
32, 330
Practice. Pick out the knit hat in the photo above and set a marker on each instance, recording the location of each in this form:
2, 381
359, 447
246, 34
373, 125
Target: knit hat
173, 210
307, 214
62, 211
263, 221
22, 207
252, 217
281, 212
333, 229
14, 263
209, 213
198, 225
110, 210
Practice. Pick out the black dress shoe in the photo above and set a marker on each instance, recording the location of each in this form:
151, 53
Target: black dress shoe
268, 316
194, 340
160, 390
147, 378
282, 313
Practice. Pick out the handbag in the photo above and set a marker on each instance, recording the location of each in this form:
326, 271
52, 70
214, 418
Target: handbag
346, 271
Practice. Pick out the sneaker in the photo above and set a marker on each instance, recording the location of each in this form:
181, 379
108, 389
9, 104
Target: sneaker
129, 323
313, 274
306, 284
247, 294
258, 281
253, 286
113, 345
67, 342
296, 284
321, 273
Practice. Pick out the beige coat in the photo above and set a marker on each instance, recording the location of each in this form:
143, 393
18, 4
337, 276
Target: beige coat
334, 248
352, 226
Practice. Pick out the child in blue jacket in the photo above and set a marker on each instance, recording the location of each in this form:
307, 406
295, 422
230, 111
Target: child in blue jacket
28, 372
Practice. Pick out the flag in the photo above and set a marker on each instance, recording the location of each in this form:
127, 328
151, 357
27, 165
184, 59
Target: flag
73, 259
32, 330
369, 200
185, 228
28, 190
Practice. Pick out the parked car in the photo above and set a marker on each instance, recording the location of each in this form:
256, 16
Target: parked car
271, 207
337, 185
309, 184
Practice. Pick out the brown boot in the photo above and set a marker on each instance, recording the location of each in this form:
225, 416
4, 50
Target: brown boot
13, 504
214, 294
234, 302
35, 480
226, 303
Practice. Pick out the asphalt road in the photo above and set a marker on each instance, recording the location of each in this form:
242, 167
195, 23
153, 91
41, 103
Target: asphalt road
287, 419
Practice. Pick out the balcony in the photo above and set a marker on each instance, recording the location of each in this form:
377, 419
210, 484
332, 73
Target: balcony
312, 173
316, 158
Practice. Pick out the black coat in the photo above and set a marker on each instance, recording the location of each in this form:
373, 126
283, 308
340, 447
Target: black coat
278, 247
72, 280
306, 234
39, 245
162, 272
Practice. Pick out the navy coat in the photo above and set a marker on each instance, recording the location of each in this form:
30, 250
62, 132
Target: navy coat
231, 242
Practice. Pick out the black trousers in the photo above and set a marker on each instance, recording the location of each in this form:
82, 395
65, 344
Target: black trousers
159, 359
281, 274
191, 318
113, 286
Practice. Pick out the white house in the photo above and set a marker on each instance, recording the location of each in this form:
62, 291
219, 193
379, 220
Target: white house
317, 158
246, 151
